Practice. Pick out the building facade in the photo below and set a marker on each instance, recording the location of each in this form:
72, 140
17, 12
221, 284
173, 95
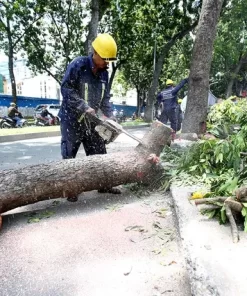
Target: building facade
3, 85
42, 86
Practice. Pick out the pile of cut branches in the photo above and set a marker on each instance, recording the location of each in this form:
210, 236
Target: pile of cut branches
219, 164
229, 206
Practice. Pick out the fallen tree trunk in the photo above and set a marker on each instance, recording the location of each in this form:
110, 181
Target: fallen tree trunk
70, 177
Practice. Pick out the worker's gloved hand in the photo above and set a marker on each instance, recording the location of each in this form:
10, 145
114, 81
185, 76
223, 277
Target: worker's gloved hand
90, 111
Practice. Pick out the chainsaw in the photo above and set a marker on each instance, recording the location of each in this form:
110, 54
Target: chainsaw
109, 130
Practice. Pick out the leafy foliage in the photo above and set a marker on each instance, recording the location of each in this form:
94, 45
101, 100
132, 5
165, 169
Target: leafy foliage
142, 30
57, 38
217, 164
17, 17
229, 47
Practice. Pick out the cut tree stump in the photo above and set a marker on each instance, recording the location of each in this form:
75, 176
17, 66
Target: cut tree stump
71, 177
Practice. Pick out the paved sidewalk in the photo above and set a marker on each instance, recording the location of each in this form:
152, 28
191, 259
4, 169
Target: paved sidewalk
216, 266
83, 249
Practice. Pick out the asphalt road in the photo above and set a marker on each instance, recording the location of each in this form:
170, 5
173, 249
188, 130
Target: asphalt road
103, 245
27, 152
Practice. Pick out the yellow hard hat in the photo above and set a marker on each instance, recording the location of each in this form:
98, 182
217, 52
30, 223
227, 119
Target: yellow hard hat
106, 47
180, 101
169, 82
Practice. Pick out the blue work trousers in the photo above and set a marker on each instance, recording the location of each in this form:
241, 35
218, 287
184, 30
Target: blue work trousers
171, 115
74, 134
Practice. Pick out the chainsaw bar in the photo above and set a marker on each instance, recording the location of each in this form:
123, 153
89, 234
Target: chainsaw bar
109, 130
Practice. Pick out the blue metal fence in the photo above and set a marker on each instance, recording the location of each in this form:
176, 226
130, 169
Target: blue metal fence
29, 103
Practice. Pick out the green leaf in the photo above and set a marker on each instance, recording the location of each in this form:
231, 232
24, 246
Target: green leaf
33, 220
193, 168
135, 228
46, 214
245, 224
210, 214
244, 211
229, 186
223, 215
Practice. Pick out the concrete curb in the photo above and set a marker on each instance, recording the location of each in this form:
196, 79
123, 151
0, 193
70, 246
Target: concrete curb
211, 257
13, 138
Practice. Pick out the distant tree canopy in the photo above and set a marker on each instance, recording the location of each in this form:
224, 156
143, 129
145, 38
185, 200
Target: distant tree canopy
155, 40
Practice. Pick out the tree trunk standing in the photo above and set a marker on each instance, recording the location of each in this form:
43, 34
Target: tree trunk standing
138, 108
114, 66
148, 116
98, 8
11, 63
196, 109
71, 177
234, 75
93, 26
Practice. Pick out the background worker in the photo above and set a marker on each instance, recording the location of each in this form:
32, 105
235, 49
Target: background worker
168, 97
85, 90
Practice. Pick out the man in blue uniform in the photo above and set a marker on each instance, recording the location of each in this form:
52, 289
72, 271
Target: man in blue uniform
168, 97
85, 90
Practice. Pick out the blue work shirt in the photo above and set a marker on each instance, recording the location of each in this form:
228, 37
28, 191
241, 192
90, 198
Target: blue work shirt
82, 89
168, 96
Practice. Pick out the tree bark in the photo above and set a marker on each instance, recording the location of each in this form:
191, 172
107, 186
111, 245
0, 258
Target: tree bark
98, 8
234, 229
70, 177
138, 107
93, 26
196, 109
11, 63
115, 66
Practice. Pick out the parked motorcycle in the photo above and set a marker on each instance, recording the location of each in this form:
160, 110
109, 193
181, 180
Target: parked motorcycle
7, 122
41, 121
120, 117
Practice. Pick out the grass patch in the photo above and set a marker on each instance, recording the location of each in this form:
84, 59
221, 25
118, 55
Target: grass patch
28, 130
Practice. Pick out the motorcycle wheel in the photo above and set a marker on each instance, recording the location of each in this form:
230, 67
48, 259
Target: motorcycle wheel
38, 123
5, 125
56, 121
25, 124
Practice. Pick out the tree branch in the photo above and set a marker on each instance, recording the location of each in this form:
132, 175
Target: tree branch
179, 35
68, 29
210, 200
25, 30
59, 33
4, 25
49, 72
234, 229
